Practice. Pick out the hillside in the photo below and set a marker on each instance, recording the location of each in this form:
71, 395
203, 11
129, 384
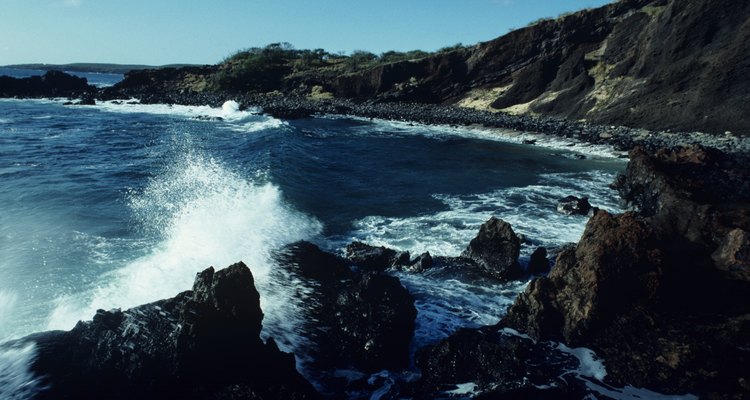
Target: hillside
657, 64
661, 64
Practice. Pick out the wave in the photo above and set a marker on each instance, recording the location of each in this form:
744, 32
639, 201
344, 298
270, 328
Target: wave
200, 214
531, 210
441, 132
8, 301
17, 382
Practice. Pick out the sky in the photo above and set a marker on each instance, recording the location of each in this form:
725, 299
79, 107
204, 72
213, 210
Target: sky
158, 32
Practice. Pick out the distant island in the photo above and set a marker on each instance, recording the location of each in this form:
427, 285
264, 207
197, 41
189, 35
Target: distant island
103, 68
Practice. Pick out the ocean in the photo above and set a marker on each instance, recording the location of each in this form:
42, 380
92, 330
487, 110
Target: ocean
120, 204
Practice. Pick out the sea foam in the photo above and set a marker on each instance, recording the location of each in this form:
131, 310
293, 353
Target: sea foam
17, 382
201, 214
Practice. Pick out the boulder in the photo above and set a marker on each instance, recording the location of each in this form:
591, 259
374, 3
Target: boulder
201, 344
572, 205
372, 322
495, 250
310, 261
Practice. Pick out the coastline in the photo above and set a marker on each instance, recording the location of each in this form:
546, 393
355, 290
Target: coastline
620, 138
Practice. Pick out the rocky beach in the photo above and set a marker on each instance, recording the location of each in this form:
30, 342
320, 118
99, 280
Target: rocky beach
654, 301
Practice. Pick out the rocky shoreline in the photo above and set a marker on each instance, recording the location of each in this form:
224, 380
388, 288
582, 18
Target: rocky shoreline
661, 294
293, 106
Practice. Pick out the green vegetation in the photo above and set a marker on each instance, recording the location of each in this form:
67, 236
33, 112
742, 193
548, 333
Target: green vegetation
263, 69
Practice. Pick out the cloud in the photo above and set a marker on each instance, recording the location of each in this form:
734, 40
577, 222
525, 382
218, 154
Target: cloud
72, 3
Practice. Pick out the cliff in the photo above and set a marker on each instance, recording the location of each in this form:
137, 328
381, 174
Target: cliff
660, 64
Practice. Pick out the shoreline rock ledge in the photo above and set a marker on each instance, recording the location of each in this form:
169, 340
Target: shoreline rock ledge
662, 294
201, 344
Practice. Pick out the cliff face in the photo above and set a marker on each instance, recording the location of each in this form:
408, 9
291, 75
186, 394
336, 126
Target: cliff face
659, 64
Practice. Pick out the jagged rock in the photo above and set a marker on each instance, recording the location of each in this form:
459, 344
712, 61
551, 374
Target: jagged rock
697, 192
501, 363
733, 254
201, 344
572, 205
363, 318
372, 322
495, 250
538, 263
423, 262
644, 289
375, 258
312, 262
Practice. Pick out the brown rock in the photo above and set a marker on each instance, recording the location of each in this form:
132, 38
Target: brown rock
733, 255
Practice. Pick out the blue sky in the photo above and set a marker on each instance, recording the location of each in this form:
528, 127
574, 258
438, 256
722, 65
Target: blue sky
160, 32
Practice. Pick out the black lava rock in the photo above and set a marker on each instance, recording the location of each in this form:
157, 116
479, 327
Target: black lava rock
572, 205
201, 344
495, 250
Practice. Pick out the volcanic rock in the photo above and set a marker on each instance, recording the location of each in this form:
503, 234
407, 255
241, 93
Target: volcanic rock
733, 254
201, 344
51, 84
500, 363
659, 294
495, 250
362, 318
375, 258
538, 263
572, 205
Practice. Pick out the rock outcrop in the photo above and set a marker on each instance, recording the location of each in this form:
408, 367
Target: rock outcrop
572, 205
51, 84
659, 294
656, 64
201, 344
363, 318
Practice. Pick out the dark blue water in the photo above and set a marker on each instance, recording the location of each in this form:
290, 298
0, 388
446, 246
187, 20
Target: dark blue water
117, 205
94, 78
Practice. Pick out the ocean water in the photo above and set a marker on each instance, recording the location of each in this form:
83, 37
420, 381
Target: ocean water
119, 204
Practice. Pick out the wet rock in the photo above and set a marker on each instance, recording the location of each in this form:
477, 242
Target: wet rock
733, 254
360, 318
495, 250
538, 263
201, 344
375, 258
372, 322
312, 262
656, 292
500, 363
572, 205
423, 262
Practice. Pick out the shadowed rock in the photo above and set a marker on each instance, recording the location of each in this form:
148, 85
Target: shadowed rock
361, 318
495, 250
572, 205
201, 344
538, 263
